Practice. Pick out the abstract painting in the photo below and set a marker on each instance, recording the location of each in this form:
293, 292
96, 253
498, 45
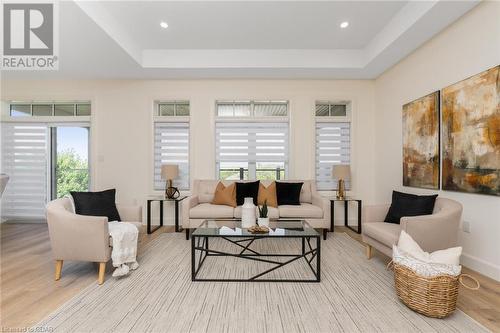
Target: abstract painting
471, 134
421, 142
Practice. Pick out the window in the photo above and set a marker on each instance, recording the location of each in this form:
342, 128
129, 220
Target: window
171, 142
249, 146
333, 138
25, 156
252, 109
44, 162
50, 109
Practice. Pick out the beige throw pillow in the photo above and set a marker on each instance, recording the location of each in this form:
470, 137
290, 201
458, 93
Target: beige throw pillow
225, 195
269, 194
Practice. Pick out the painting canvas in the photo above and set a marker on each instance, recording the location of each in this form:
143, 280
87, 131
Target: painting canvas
421, 142
471, 134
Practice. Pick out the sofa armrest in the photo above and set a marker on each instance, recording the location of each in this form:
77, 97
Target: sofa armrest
186, 206
130, 213
323, 203
78, 237
374, 213
433, 232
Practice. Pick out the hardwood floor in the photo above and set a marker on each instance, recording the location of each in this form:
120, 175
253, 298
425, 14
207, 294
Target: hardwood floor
29, 292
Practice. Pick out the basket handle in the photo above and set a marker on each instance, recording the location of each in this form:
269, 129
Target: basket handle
389, 266
470, 277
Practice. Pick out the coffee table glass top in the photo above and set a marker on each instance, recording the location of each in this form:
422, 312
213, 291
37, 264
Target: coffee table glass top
277, 228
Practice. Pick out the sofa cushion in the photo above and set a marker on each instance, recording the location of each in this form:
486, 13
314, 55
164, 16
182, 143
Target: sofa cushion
308, 187
267, 194
406, 204
385, 233
209, 211
288, 193
96, 204
273, 213
304, 210
225, 195
247, 190
205, 190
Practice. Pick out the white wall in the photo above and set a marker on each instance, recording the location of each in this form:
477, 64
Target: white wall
467, 47
122, 138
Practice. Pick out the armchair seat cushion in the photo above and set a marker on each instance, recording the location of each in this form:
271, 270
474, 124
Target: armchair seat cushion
385, 233
304, 210
210, 211
273, 213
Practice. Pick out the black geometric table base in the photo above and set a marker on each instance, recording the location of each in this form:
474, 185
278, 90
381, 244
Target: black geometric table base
200, 251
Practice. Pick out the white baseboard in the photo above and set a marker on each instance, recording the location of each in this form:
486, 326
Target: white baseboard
481, 266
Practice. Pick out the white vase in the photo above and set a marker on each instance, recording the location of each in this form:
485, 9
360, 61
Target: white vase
263, 221
248, 213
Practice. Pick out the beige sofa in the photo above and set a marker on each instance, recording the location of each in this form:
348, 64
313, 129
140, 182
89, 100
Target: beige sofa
313, 208
432, 232
83, 238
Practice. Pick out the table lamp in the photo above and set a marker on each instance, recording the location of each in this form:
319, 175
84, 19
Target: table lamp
169, 172
341, 173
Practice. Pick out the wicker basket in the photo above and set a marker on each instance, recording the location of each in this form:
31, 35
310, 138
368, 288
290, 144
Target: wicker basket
433, 297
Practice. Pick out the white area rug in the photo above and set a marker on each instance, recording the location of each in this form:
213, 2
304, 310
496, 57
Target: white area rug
354, 295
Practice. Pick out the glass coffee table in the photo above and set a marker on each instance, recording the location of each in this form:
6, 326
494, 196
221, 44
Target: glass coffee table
227, 244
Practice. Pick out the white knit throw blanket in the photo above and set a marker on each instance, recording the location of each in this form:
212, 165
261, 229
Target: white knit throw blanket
124, 236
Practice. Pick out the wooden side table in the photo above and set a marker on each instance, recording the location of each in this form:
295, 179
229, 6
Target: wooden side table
161, 200
346, 213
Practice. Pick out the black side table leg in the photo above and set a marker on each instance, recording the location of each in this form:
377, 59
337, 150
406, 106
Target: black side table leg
148, 218
176, 216
346, 213
359, 216
332, 214
161, 213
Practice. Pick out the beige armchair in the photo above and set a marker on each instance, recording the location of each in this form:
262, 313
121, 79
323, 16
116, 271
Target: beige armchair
83, 238
432, 232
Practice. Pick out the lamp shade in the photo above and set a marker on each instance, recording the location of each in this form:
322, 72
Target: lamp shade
169, 171
341, 172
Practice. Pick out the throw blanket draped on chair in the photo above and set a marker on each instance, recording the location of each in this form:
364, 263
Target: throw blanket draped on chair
123, 255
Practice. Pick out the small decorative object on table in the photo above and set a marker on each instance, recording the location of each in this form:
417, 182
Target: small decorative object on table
248, 213
258, 229
263, 215
341, 173
169, 172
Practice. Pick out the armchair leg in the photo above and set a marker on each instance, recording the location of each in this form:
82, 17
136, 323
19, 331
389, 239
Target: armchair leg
59, 265
369, 252
102, 271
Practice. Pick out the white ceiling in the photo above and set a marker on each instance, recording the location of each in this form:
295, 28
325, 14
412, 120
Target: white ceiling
252, 25
242, 39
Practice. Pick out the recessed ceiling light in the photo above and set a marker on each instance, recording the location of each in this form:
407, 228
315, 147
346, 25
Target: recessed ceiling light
344, 25
164, 25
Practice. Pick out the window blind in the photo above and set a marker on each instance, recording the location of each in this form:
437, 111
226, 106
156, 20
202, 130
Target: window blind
172, 147
332, 147
25, 160
252, 142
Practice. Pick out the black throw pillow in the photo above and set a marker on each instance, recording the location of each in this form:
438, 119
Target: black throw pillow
406, 204
247, 190
96, 204
288, 193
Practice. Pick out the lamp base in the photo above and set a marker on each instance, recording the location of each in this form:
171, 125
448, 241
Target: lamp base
341, 190
170, 191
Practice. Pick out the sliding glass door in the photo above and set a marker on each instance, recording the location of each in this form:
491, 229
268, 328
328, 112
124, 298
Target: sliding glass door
69, 160
44, 161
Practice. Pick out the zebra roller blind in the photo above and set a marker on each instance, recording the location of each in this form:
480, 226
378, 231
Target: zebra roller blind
333, 141
24, 160
172, 147
252, 142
